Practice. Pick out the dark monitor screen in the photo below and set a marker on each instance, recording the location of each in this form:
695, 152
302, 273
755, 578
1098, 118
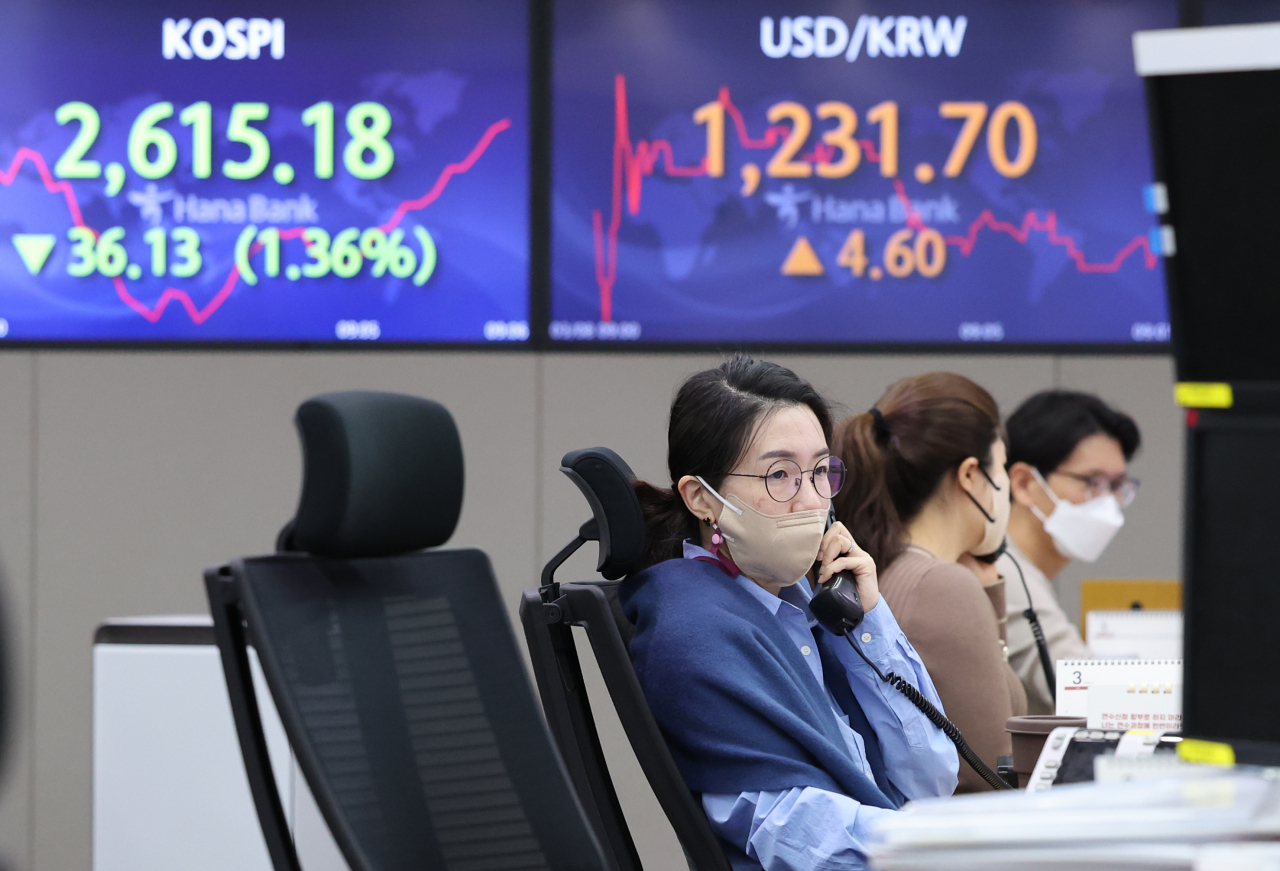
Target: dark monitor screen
736, 171
1218, 135
327, 172
1238, 11
1233, 579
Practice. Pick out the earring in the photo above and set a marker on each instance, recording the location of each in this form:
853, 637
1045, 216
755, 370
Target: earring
706, 521
717, 537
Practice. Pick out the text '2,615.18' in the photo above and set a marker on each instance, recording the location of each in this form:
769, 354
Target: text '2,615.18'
152, 150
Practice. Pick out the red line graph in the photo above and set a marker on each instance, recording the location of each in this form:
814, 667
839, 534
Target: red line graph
449, 172
171, 294
633, 162
53, 187
1030, 221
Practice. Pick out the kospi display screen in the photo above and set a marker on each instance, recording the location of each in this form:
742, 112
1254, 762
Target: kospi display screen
286, 172
854, 172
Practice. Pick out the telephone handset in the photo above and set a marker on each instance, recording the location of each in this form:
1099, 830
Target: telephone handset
838, 608
837, 603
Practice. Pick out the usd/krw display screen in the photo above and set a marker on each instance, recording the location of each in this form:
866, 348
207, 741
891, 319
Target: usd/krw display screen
291, 172
853, 172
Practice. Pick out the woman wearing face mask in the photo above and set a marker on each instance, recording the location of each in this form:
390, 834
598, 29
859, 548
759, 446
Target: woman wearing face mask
1068, 464
927, 490
792, 742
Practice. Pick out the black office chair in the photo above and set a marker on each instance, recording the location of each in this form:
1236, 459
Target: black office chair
549, 613
394, 669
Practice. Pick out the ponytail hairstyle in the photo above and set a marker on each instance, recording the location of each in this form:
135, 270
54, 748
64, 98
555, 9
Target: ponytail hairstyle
899, 452
713, 418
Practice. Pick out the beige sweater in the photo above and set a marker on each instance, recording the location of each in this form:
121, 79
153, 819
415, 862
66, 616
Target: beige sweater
957, 627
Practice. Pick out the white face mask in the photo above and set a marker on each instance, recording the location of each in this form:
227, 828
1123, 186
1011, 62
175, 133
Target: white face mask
1080, 531
770, 549
996, 520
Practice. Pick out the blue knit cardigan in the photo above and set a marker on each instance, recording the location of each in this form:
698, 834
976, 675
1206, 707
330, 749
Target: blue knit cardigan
736, 701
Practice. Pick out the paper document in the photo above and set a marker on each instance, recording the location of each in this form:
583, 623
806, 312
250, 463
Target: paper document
1078, 677
1136, 707
1133, 634
1140, 818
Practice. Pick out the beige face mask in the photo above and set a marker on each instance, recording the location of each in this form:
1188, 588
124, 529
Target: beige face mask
997, 519
770, 549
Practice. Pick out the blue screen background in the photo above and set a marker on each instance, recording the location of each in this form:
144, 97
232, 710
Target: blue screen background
448, 73
700, 262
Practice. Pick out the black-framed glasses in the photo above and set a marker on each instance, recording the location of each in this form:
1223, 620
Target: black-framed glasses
785, 478
1124, 488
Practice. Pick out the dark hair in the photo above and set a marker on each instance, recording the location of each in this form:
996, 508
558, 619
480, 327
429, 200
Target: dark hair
898, 453
713, 418
1047, 427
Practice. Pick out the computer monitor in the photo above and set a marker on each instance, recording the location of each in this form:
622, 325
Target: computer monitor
1214, 99
1214, 96
1232, 583
732, 171
336, 173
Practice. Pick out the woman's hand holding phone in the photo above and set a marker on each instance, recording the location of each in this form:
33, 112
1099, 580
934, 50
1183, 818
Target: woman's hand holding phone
839, 553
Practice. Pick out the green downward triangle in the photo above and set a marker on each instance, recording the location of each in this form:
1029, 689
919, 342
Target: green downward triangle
34, 249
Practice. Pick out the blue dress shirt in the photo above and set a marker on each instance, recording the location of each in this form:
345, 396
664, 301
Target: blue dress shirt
810, 829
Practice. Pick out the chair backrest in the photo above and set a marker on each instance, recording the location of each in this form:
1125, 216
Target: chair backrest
548, 615
394, 669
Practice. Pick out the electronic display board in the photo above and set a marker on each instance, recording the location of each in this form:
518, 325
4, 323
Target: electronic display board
272, 172
853, 172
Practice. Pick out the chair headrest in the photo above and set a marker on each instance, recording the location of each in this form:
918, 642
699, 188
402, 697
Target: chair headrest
609, 485
381, 475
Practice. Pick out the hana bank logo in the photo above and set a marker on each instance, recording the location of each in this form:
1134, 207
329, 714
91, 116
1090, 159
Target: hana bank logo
893, 36
210, 38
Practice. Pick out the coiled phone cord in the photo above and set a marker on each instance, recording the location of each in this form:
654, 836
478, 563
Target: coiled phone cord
1042, 646
935, 716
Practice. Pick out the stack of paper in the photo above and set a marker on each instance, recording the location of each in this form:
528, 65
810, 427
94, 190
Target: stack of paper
1152, 825
1243, 856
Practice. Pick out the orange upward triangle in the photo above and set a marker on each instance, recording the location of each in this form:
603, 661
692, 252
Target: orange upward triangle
802, 260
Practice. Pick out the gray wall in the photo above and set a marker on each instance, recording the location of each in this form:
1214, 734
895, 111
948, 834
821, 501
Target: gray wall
122, 475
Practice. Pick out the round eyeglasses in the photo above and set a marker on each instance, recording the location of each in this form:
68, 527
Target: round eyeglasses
785, 478
1124, 487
